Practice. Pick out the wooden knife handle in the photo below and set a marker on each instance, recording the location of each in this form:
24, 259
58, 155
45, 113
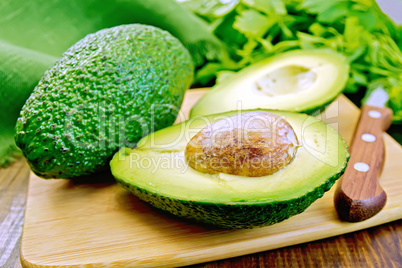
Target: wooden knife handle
359, 195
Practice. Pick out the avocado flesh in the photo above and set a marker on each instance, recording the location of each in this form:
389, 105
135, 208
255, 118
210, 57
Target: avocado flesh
298, 81
108, 90
156, 171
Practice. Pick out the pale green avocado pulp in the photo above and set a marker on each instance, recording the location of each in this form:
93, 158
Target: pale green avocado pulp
298, 81
157, 172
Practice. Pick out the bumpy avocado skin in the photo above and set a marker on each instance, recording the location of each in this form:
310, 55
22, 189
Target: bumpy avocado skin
108, 90
234, 215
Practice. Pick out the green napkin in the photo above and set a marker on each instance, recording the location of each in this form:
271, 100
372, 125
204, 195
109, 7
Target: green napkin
33, 34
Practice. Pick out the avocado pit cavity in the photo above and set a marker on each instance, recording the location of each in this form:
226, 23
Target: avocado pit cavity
250, 144
290, 79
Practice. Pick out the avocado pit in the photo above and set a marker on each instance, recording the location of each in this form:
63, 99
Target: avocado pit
249, 144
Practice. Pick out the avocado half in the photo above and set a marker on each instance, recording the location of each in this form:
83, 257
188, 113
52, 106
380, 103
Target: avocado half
297, 81
156, 172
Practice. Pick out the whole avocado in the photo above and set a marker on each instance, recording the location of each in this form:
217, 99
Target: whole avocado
108, 90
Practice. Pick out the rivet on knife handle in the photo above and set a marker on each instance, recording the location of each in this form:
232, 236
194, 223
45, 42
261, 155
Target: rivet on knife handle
359, 195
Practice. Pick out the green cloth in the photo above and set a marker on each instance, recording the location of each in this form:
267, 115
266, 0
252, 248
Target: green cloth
34, 33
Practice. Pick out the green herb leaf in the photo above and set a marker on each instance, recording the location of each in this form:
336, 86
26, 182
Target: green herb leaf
252, 23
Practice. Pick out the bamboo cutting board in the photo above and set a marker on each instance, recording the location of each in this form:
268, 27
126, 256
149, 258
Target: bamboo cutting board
71, 224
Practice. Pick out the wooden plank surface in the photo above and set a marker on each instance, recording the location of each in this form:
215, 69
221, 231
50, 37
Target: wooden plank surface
101, 225
13, 190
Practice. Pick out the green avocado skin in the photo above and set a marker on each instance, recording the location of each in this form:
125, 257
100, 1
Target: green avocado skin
108, 90
235, 215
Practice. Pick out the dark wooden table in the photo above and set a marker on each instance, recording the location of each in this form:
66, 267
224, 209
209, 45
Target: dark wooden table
379, 246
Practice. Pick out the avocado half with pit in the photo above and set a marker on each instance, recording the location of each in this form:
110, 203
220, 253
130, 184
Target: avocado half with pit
298, 81
158, 172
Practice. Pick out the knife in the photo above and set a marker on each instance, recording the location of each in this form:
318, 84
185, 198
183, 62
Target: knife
358, 195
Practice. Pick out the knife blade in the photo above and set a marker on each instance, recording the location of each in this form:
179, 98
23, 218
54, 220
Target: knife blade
358, 195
